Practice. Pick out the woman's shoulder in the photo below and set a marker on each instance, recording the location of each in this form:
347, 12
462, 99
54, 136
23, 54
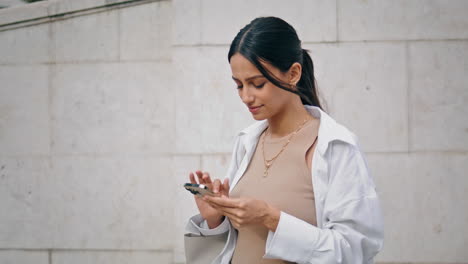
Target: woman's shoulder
348, 164
336, 135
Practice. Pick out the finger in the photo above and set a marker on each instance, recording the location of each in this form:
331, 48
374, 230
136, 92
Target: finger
231, 212
200, 177
192, 177
228, 210
215, 206
216, 185
233, 218
207, 180
206, 177
224, 201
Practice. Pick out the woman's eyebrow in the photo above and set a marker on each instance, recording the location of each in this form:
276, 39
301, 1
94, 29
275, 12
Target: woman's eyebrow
250, 78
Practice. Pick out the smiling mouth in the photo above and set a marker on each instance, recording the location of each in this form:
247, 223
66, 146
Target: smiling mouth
255, 107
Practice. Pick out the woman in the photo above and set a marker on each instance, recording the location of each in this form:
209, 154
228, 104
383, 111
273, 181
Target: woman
298, 188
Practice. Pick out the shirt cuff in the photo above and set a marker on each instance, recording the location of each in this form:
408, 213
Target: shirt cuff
199, 225
293, 240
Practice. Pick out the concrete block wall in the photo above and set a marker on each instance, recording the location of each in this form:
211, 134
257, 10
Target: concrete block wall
86, 133
105, 106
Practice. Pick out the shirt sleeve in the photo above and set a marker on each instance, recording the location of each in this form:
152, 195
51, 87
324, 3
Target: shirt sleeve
352, 229
198, 226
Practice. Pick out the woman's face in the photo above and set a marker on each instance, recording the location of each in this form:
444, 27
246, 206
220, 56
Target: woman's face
262, 97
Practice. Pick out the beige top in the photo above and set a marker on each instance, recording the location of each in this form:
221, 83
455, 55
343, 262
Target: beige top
288, 187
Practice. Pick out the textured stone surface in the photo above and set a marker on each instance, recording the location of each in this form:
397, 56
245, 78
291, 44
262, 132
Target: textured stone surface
219, 21
314, 20
117, 202
390, 20
66, 6
103, 115
421, 196
365, 88
187, 22
87, 202
111, 257
216, 165
24, 257
145, 32
104, 108
24, 12
16, 48
25, 201
209, 111
184, 204
24, 117
86, 38
438, 95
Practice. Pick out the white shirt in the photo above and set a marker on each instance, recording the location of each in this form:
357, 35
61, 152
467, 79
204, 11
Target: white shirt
349, 219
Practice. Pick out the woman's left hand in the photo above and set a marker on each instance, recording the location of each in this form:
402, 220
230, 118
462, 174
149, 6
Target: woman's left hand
246, 211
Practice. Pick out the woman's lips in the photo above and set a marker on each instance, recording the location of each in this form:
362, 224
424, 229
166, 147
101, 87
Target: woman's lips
254, 109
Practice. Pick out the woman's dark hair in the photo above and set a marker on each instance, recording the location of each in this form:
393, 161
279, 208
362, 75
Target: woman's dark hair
274, 41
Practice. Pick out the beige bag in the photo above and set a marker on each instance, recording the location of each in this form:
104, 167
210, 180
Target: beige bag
203, 249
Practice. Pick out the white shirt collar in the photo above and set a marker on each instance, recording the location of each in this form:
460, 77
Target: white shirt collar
329, 130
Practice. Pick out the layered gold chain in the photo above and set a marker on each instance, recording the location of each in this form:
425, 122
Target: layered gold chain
269, 162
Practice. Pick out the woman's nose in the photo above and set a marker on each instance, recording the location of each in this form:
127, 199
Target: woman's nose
246, 96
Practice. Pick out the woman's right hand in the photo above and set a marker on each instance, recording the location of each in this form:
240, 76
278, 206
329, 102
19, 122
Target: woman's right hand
213, 217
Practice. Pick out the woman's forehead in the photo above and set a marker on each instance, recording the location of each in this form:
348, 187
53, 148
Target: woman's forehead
242, 68
241, 64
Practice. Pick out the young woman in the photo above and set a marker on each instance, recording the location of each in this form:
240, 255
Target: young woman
298, 188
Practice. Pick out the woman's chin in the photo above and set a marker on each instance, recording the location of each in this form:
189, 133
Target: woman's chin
258, 117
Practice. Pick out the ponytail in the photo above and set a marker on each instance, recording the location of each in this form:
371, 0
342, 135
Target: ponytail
307, 84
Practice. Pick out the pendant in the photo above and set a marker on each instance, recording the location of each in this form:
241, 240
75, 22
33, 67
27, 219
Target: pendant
265, 173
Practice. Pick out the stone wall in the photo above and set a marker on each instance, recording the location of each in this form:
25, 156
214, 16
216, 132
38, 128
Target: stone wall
107, 105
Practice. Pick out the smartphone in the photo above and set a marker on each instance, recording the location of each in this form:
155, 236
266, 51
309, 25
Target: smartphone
198, 189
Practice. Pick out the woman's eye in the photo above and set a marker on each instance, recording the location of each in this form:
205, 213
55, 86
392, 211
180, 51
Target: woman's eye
259, 86
256, 86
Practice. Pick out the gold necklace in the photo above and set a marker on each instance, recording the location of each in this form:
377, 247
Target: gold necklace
269, 162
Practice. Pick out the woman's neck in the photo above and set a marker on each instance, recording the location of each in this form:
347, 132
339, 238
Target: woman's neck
288, 121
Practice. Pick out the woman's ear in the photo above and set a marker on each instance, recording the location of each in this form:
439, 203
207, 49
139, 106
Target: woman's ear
295, 72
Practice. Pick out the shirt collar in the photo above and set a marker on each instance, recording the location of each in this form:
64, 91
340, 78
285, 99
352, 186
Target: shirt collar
329, 130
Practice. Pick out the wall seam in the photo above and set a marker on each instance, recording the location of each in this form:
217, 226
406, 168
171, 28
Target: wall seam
408, 97
337, 21
332, 42
71, 13
119, 40
51, 68
200, 6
